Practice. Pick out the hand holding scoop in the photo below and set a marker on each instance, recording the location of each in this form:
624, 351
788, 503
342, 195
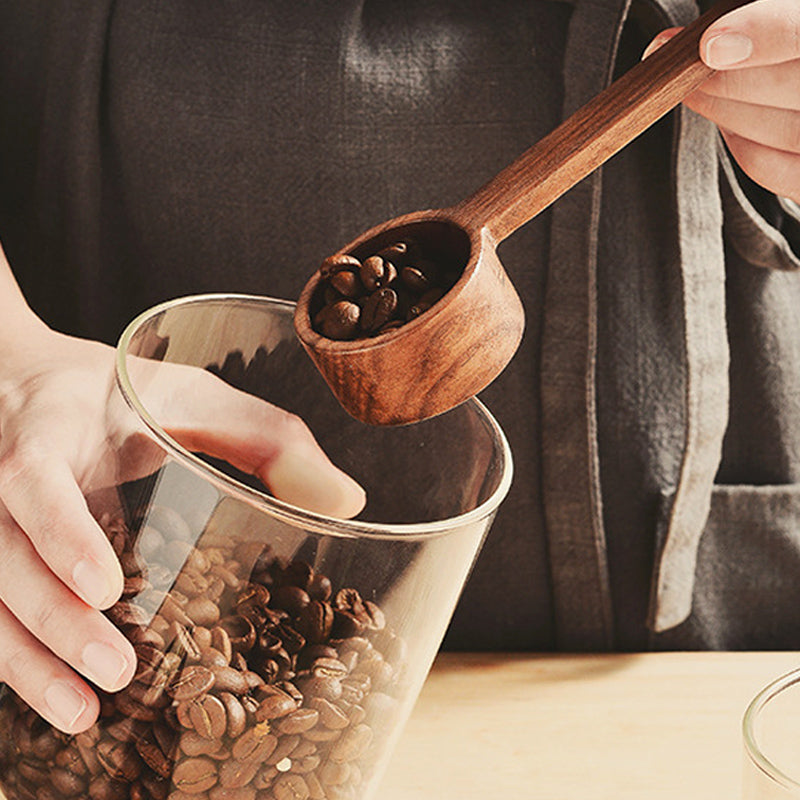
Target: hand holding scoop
464, 340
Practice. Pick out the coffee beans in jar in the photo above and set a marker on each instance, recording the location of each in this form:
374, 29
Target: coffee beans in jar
257, 679
365, 297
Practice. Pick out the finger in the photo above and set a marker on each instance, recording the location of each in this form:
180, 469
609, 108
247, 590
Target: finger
761, 32
41, 494
661, 39
263, 440
70, 629
773, 127
48, 685
775, 86
776, 170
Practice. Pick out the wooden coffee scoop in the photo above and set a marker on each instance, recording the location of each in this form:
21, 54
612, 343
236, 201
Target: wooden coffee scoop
462, 343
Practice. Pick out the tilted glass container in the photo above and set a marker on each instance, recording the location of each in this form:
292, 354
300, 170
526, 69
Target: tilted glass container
280, 651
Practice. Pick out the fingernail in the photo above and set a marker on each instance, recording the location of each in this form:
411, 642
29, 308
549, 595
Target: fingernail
315, 486
65, 703
93, 583
104, 665
727, 49
660, 40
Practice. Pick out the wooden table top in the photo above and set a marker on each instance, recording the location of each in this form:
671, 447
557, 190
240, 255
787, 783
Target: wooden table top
644, 726
574, 727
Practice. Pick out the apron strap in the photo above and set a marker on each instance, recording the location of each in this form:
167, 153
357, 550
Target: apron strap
699, 212
570, 467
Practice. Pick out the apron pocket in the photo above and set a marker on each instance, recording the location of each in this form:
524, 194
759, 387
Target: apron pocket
746, 589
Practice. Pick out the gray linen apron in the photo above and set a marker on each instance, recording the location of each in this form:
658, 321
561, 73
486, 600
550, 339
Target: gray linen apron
151, 149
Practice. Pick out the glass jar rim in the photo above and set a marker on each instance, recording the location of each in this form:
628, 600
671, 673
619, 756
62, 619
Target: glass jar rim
751, 715
268, 504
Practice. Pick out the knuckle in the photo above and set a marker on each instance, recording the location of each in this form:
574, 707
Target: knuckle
793, 133
794, 29
44, 616
18, 461
14, 665
290, 431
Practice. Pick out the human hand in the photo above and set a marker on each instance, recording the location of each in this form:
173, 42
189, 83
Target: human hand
754, 97
57, 568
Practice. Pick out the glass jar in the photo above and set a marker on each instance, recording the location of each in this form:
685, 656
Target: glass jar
280, 651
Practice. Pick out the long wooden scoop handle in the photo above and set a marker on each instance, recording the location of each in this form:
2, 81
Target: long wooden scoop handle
592, 134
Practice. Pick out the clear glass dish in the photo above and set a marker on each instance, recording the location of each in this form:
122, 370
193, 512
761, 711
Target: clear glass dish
771, 734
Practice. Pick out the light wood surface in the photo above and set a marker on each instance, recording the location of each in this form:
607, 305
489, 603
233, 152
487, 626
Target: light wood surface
610, 727
644, 726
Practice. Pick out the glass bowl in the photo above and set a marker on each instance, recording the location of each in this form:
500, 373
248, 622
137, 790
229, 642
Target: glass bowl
771, 733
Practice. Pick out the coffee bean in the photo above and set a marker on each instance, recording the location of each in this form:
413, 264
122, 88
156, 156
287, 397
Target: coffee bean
208, 717
352, 743
377, 272
319, 587
153, 755
235, 774
119, 760
169, 522
298, 721
397, 252
346, 283
103, 788
315, 621
133, 709
316, 791
202, 611
378, 309
275, 703
322, 734
70, 758
195, 775
67, 783
256, 743
333, 264
286, 747
305, 765
149, 693
191, 583
88, 753
291, 599
375, 618
213, 658
291, 787
340, 320
346, 624
123, 729
149, 658
330, 715
328, 668
236, 714
334, 773
229, 679
227, 575
190, 682
126, 612
327, 687
193, 744
221, 636
182, 642
201, 636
